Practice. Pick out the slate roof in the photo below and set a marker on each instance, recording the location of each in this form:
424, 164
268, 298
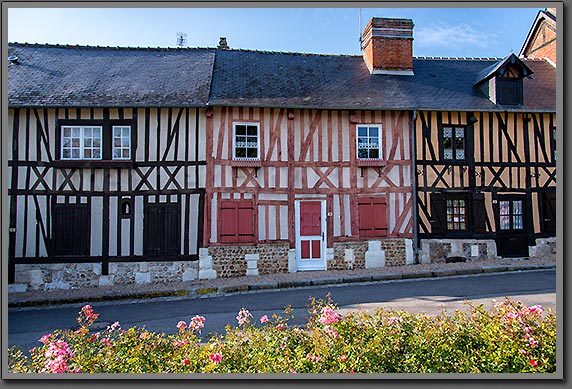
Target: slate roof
51, 75
294, 80
87, 76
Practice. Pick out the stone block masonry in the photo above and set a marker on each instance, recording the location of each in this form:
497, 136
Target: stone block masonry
352, 255
230, 261
82, 275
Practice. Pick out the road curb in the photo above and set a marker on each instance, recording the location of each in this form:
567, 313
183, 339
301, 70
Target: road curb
218, 291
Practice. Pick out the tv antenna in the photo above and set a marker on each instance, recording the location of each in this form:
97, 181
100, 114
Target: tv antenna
181, 39
359, 32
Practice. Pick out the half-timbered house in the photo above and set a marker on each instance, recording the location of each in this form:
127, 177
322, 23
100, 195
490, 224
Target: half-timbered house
143, 165
106, 164
485, 158
309, 161
540, 42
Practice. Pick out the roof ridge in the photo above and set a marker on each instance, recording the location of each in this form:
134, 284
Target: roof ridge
97, 47
459, 58
300, 53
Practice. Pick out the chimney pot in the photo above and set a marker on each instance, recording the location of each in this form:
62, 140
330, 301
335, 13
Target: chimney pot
222, 44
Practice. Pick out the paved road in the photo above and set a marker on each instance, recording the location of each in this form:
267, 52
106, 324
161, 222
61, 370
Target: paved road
429, 296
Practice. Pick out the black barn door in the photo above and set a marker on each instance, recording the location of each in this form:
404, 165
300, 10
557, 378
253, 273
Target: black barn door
162, 229
71, 229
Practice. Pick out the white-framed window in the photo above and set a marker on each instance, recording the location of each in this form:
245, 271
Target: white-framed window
246, 141
368, 141
121, 142
81, 142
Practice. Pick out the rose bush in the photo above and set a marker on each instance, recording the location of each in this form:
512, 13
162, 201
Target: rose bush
510, 338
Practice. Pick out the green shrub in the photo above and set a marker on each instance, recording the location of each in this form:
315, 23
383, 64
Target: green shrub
510, 338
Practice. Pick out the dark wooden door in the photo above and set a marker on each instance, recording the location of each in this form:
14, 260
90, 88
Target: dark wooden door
511, 226
71, 229
162, 229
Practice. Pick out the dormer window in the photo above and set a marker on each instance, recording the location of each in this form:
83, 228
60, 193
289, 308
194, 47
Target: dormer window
509, 88
502, 81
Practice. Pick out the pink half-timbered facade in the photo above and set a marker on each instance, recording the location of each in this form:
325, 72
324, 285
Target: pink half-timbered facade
291, 188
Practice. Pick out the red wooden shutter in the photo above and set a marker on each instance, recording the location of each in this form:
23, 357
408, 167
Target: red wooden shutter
245, 221
236, 221
372, 216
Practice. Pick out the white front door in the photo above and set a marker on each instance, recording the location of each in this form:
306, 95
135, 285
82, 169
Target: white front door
310, 234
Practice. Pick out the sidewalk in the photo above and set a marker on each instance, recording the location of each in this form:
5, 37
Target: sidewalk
222, 286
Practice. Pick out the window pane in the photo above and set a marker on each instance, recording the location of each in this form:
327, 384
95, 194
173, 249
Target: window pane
240, 152
448, 153
504, 207
240, 130
374, 153
252, 153
117, 153
373, 131
96, 153
362, 131
252, 130
117, 142
447, 132
116, 131
517, 222
87, 153
362, 153
75, 153
517, 207
125, 153
504, 222
460, 154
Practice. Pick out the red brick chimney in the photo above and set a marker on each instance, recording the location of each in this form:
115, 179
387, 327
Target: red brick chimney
388, 46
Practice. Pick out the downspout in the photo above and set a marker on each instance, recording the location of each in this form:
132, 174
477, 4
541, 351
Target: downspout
414, 187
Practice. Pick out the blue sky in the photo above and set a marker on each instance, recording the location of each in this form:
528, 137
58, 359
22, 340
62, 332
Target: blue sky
446, 32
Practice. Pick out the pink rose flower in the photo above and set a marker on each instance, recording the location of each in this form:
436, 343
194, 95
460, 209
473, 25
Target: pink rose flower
264, 319
216, 357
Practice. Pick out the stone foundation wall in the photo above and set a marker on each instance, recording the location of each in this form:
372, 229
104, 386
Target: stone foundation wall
229, 261
438, 250
395, 254
545, 248
81, 275
341, 261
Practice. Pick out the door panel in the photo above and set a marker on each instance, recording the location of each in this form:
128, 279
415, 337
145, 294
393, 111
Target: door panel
511, 232
310, 237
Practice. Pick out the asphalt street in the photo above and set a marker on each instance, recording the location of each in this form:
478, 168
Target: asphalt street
430, 296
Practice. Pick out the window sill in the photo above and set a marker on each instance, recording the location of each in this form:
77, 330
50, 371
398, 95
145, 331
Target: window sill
246, 163
371, 162
70, 163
